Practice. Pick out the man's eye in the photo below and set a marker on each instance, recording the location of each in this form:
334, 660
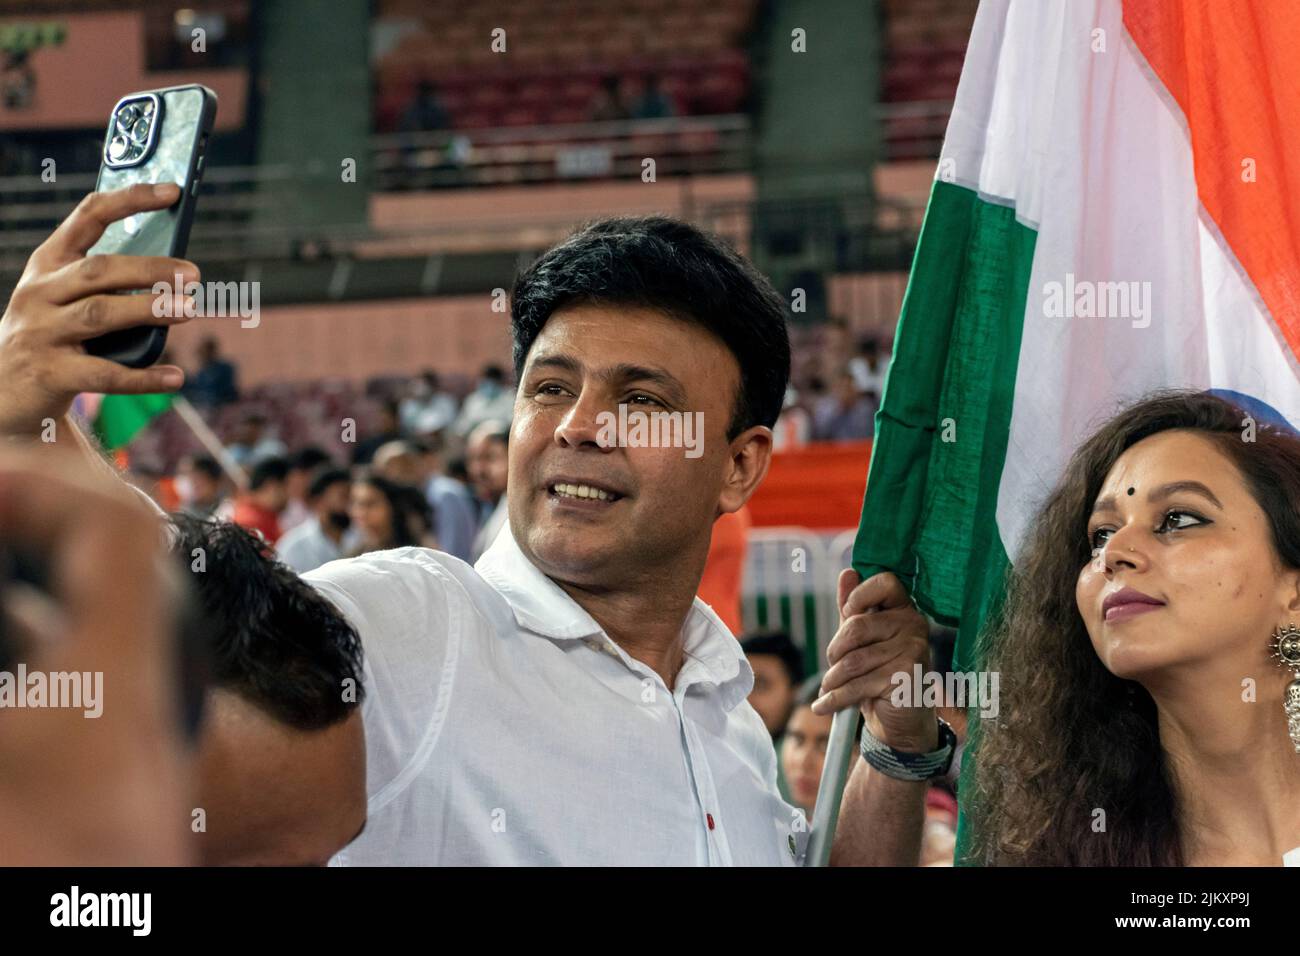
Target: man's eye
1179, 520
643, 400
550, 389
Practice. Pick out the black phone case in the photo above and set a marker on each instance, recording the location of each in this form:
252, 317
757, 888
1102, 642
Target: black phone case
184, 123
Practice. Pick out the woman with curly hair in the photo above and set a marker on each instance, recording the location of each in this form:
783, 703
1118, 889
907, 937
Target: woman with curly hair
1147, 649
1148, 654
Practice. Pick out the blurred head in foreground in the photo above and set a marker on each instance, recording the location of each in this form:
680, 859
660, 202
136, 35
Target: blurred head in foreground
286, 685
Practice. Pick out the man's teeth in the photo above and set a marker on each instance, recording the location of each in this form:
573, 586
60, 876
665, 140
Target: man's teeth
582, 491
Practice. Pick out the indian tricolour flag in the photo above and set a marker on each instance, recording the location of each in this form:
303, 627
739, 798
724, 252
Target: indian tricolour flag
1116, 209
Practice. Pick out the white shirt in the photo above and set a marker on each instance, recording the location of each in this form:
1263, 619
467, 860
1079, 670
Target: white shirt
307, 547
504, 728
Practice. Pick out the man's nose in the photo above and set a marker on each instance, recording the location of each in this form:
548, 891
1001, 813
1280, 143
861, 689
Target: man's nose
586, 423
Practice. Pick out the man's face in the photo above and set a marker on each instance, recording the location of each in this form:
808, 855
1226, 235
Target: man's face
333, 500
773, 693
658, 505
299, 481
486, 461
199, 486
273, 495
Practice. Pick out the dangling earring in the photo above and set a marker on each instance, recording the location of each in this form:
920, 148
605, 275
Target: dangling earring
1286, 651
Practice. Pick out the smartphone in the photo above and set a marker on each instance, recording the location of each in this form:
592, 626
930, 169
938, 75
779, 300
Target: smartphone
157, 136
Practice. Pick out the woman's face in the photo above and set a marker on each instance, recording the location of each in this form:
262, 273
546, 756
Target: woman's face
371, 515
803, 751
1184, 569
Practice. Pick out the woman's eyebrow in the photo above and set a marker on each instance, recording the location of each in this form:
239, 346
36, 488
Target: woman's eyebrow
1160, 493
1174, 487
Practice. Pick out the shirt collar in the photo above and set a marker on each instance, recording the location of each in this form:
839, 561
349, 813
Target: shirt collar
541, 607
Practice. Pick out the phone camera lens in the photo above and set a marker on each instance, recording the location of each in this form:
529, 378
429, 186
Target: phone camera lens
140, 131
126, 116
118, 148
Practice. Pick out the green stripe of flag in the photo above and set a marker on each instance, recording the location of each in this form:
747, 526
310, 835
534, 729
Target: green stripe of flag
941, 433
122, 417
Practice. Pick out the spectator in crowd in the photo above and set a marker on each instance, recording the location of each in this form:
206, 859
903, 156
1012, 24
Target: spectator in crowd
425, 112
258, 509
427, 408
216, 381
725, 568
303, 464
320, 539
400, 461
486, 459
794, 426
609, 103
200, 485
803, 747
455, 516
490, 401
389, 429
253, 441
868, 369
653, 103
836, 345
388, 515
281, 761
845, 414
778, 669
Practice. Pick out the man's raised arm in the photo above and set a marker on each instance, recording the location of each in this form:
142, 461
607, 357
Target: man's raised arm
65, 297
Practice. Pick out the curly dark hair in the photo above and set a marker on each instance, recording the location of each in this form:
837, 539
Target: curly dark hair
1072, 736
272, 639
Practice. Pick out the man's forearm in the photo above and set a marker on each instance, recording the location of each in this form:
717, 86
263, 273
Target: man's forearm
880, 822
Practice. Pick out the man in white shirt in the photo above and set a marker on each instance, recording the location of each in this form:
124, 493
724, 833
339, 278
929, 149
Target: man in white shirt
569, 699
319, 539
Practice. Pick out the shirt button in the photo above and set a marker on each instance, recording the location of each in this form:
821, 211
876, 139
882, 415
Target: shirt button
709, 817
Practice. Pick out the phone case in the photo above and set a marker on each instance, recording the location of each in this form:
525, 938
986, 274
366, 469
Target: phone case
183, 123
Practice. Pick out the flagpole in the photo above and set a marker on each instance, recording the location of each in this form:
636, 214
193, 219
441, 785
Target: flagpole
839, 751
189, 414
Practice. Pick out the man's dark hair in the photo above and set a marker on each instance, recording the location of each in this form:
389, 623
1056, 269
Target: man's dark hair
207, 465
309, 458
324, 478
661, 263
273, 639
267, 470
779, 645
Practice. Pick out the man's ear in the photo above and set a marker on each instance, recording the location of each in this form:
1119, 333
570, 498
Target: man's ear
751, 454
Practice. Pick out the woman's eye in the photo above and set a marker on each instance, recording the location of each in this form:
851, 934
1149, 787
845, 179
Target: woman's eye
1098, 539
1178, 520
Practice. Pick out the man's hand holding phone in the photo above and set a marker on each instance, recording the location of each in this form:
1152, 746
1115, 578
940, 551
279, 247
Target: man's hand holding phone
65, 297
